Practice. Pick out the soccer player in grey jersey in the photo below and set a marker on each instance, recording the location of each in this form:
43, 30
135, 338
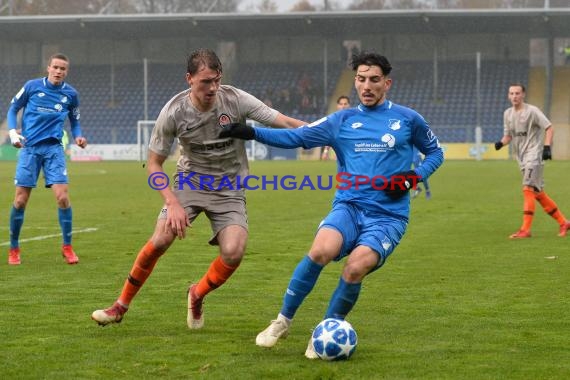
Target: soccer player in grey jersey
206, 179
530, 134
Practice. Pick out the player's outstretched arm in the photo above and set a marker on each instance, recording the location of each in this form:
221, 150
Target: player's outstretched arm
283, 121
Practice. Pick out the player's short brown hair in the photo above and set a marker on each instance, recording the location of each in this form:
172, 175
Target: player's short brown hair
61, 56
203, 58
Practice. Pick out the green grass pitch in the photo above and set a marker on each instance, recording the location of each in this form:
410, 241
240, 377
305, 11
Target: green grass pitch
457, 299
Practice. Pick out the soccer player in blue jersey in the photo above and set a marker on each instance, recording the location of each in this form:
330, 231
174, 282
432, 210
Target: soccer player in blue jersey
373, 143
46, 102
416, 162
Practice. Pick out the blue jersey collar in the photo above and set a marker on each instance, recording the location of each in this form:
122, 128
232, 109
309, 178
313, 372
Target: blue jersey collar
386, 104
52, 86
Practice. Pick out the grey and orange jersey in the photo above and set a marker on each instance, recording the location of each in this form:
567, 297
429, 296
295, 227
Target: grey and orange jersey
205, 158
526, 127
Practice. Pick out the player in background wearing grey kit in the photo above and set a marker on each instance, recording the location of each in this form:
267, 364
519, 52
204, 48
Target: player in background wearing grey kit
195, 117
530, 133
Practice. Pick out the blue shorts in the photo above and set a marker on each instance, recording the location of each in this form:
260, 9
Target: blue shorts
381, 233
46, 156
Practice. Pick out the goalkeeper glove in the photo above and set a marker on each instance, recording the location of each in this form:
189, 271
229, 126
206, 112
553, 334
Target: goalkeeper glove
16, 139
401, 183
238, 131
546, 153
498, 145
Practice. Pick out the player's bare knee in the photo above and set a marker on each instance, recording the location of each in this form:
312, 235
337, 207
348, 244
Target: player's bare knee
162, 240
21, 199
322, 257
63, 202
232, 257
20, 203
354, 273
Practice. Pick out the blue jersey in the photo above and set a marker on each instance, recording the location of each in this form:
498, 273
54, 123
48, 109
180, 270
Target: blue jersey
46, 106
370, 142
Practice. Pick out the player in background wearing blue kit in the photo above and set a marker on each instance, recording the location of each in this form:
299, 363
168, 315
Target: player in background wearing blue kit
46, 103
416, 163
368, 220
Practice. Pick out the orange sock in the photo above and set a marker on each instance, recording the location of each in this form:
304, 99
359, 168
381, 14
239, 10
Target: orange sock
528, 208
550, 207
217, 274
142, 268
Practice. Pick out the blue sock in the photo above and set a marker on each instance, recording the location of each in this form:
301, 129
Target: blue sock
16, 222
426, 185
302, 282
65, 217
343, 299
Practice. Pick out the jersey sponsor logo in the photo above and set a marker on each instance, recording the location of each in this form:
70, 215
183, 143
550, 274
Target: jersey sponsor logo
394, 124
44, 109
224, 120
356, 125
520, 134
211, 145
388, 142
389, 139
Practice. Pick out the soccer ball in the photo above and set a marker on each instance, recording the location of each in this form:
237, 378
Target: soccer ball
334, 339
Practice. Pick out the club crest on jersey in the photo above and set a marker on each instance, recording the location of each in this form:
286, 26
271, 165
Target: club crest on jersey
224, 120
394, 124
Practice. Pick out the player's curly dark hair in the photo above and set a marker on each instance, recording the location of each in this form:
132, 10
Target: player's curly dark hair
203, 58
370, 58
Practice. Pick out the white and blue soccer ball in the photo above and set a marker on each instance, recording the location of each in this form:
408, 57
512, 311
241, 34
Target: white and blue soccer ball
334, 339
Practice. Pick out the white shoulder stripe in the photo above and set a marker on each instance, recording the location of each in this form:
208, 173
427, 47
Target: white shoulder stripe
315, 123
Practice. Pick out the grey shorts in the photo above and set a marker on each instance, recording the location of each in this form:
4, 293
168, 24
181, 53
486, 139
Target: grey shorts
533, 175
222, 209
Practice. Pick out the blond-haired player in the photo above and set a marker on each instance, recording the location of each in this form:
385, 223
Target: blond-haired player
194, 118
